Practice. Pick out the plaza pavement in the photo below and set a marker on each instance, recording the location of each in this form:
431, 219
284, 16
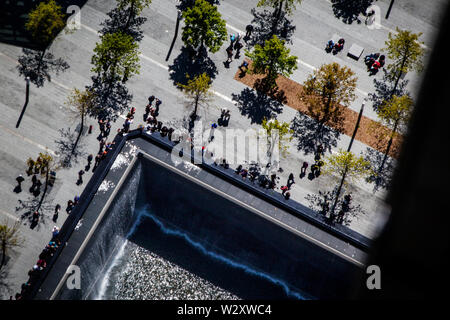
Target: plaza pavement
46, 112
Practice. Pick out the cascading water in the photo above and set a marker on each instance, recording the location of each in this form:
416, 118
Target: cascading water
165, 237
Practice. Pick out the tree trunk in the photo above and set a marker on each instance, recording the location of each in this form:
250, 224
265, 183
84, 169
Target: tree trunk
277, 15
79, 134
338, 192
194, 114
130, 16
45, 189
388, 147
2, 263
398, 77
40, 61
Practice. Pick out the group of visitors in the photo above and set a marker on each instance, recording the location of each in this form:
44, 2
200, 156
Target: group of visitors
41, 264
374, 62
235, 44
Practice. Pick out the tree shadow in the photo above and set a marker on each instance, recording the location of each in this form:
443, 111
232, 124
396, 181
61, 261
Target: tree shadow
349, 10
257, 105
384, 89
265, 26
5, 284
191, 63
65, 145
26, 209
112, 98
310, 134
379, 179
118, 22
322, 203
183, 5
30, 65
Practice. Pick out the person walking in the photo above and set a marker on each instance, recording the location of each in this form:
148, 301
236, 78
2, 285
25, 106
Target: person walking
232, 39
55, 215
229, 54
304, 168
290, 181
248, 29
244, 65
80, 177
19, 180
98, 158
284, 189
70, 206
157, 104
101, 144
237, 46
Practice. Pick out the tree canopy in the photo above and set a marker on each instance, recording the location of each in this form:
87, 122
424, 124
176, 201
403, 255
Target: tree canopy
328, 88
347, 165
116, 55
136, 5
197, 91
9, 238
278, 135
204, 26
289, 5
45, 22
272, 59
125, 18
405, 51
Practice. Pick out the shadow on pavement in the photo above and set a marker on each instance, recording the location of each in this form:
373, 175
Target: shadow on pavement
349, 10
310, 134
265, 25
191, 63
383, 179
256, 105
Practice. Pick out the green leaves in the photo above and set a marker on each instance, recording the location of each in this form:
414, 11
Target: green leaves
136, 5
289, 5
9, 238
278, 132
197, 91
326, 89
272, 59
203, 25
116, 55
45, 22
348, 164
83, 101
396, 111
405, 51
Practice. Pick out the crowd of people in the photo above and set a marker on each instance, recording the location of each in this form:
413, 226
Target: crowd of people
44, 257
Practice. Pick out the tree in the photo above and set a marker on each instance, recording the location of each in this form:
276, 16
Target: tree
116, 59
326, 91
272, 59
278, 134
44, 164
125, 18
197, 91
115, 56
349, 167
405, 51
289, 6
44, 23
133, 7
395, 114
112, 98
203, 25
84, 102
9, 238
